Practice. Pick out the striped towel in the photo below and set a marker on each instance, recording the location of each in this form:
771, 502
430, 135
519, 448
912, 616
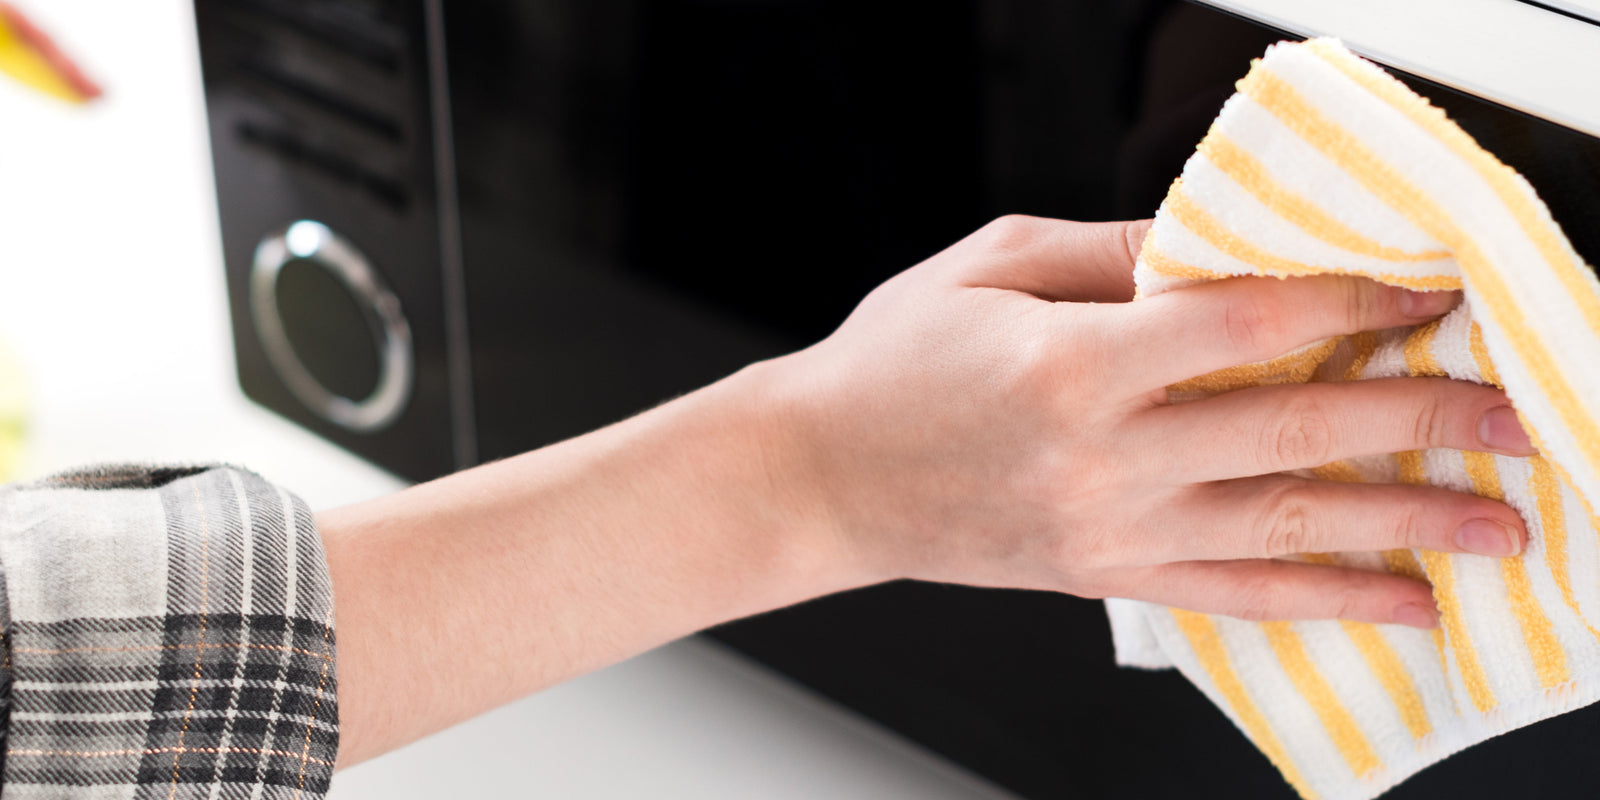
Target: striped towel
1324, 163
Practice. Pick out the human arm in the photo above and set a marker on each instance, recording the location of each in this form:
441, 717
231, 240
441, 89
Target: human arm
976, 420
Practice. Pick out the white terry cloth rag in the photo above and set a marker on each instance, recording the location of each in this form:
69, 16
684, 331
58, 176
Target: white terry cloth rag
1323, 163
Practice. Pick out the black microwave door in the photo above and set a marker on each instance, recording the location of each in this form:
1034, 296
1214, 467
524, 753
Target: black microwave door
655, 194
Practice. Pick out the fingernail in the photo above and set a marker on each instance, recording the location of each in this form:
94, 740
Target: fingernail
1416, 615
1488, 538
1499, 429
1421, 305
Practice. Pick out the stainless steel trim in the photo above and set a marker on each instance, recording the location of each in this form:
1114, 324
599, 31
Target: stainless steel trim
1588, 9
313, 241
1515, 54
463, 422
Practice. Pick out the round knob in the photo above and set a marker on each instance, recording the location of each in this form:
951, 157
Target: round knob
355, 336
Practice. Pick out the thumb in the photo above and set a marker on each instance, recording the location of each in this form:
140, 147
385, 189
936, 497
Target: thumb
1059, 260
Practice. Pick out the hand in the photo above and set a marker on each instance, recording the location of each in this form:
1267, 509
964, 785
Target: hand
977, 421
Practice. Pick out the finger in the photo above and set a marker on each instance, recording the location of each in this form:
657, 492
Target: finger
1281, 515
1225, 323
1278, 428
1056, 260
1283, 590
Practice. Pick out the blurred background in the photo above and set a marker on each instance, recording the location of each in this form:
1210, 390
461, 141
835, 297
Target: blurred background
110, 264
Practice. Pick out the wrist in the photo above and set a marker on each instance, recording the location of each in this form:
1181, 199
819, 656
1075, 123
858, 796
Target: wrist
773, 477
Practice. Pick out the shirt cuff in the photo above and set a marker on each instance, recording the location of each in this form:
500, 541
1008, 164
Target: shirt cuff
167, 629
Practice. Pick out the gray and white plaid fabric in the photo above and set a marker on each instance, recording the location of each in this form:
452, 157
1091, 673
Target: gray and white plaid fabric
169, 634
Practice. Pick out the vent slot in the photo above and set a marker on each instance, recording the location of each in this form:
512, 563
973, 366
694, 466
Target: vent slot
340, 26
292, 148
316, 96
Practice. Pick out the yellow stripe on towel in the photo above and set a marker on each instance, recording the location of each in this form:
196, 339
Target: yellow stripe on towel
1385, 665
1549, 657
1365, 344
1246, 171
1454, 632
1480, 356
1419, 351
1411, 467
1340, 472
1547, 493
1213, 656
1404, 562
1189, 214
1160, 262
1308, 680
1296, 367
1544, 484
1392, 673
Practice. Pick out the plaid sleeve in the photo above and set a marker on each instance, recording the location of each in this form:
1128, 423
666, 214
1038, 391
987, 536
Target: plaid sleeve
170, 635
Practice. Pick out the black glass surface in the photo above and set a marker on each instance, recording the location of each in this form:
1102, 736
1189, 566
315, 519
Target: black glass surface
334, 338
653, 193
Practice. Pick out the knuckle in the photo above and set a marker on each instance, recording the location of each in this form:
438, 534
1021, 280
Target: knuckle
1031, 374
1360, 302
1409, 527
1430, 423
1252, 328
1039, 370
1024, 365
1009, 233
1300, 435
1289, 521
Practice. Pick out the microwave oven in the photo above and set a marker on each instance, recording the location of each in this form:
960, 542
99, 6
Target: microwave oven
457, 231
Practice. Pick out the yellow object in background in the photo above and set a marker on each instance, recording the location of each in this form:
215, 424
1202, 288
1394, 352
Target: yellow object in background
13, 413
29, 56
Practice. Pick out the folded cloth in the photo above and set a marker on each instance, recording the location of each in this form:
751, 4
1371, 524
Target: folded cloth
1323, 163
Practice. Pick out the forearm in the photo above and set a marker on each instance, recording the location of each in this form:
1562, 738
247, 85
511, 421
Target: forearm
461, 594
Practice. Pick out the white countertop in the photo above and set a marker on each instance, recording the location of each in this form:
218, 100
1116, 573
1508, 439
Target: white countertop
112, 294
